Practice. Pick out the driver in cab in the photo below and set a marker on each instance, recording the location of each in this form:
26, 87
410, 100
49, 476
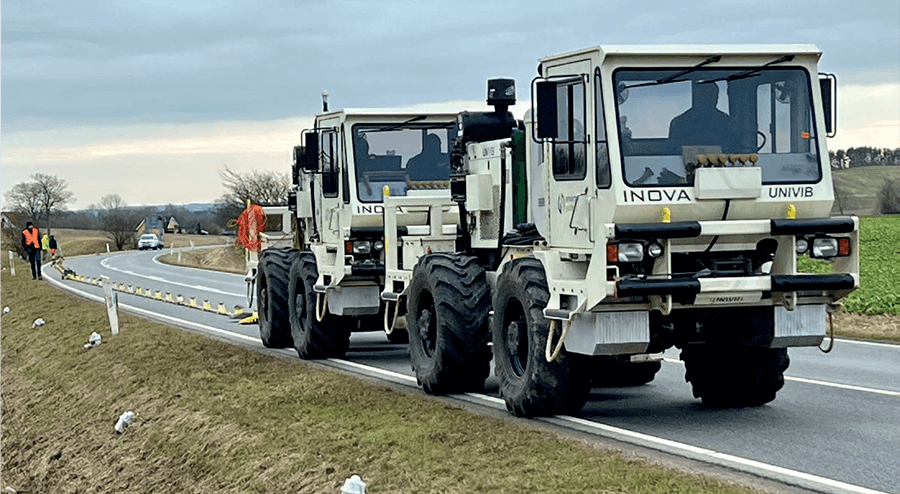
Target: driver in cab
703, 124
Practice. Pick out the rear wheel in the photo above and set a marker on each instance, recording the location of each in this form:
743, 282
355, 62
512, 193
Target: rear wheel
447, 314
313, 339
271, 297
731, 376
529, 384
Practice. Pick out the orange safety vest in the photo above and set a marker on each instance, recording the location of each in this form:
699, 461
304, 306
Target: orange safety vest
33, 238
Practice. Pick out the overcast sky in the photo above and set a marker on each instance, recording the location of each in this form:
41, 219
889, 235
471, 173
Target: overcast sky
150, 99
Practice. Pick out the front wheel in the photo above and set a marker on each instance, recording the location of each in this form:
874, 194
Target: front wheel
313, 339
731, 376
529, 384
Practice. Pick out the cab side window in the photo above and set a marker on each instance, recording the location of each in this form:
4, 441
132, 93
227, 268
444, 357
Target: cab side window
569, 158
603, 174
328, 150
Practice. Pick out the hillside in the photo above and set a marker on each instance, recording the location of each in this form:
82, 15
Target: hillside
860, 187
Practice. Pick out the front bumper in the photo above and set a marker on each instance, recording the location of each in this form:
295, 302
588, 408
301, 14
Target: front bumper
775, 283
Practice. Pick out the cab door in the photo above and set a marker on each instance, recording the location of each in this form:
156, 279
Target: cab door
329, 202
570, 189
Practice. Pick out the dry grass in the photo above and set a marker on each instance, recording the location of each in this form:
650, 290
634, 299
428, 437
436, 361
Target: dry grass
228, 259
216, 418
883, 327
87, 242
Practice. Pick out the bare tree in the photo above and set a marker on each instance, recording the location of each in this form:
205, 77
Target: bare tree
264, 188
24, 198
46, 194
116, 221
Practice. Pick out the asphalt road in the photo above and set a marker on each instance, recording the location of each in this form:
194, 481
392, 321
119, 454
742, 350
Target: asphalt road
833, 428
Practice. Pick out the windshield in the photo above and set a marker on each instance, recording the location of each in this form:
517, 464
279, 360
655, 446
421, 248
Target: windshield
759, 117
405, 158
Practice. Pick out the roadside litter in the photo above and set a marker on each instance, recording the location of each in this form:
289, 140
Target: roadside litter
354, 485
38, 323
6, 310
93, 341
125, 419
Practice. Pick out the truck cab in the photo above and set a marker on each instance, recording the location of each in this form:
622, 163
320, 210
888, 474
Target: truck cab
689, 175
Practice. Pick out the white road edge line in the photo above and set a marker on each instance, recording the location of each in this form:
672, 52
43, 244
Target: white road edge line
821, 383
163, 280
708, 454
843, 386
635, 437
869, 343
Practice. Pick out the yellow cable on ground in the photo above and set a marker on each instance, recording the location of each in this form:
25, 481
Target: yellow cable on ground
251, 319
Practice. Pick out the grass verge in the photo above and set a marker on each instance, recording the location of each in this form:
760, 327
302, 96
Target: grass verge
879, 267
216, 418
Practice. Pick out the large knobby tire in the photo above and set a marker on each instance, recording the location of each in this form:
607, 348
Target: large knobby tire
529, 384
447, 313
271, 297
313, 339
731, 376
623, 374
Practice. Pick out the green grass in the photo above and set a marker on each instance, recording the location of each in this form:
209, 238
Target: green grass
214, 417
879, 267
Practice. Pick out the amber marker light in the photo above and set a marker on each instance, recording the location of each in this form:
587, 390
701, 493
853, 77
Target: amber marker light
843, 246
612, 253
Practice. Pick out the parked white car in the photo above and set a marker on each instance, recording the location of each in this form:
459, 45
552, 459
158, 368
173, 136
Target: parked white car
149, 241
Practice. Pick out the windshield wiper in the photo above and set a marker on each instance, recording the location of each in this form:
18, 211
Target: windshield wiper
750, 73
401, 124
673, 77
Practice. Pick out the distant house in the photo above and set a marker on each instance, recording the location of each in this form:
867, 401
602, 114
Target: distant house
13, 220
172, 226
6, 222
152, 224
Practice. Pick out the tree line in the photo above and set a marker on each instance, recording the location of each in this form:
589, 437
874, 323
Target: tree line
44, 201
864, 156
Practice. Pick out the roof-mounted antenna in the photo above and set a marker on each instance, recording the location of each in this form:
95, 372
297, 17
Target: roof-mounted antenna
324, 101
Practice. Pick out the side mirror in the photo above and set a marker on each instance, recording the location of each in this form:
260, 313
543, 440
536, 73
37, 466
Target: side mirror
828, 87
295, 168
309, 160
546, 110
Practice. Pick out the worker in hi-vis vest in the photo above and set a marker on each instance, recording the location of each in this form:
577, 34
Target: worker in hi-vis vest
31, 241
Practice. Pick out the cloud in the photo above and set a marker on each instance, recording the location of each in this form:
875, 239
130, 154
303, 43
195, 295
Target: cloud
98, 92
868, 115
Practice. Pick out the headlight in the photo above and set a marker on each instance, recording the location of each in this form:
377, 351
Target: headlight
378, 245
802, 245
824, 247
631, 252
654, 250
362, 247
